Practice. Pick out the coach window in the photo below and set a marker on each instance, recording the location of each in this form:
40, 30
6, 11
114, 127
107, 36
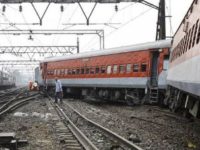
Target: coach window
135, 67
198, 35
73, 71
48, 72
194, 38
62, 72
188, 41
69, 71
128, 68
51, 72
143, 67
77, 71
115, 68
191, 36
166, 62
103, 69
97, 70
121, 68
87, 71
109, 69
66, 71
58, 72
92, 70
82, 71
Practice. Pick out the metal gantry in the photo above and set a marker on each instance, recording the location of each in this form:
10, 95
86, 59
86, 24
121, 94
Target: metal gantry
31, 51
160, 8
99, 33
42, 51
19, 62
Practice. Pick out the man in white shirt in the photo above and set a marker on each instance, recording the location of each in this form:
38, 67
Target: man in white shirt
59, 91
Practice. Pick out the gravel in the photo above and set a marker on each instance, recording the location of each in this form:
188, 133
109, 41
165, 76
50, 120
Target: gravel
143, 125
32, 122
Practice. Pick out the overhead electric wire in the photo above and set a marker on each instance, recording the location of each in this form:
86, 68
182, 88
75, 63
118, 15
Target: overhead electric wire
73, 13
109, 21
7, 36
126, 23
58, 25
170, 18
129, 21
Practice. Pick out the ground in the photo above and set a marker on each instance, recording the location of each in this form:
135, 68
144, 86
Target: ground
147, 126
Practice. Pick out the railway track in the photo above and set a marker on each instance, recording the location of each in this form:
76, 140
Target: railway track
16, 102
6, 94
100, 136
74, 139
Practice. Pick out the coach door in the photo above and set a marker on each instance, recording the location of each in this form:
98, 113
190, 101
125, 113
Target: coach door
153, 88
154, 69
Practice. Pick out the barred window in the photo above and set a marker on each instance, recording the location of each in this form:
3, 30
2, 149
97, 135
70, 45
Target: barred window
135, 67
69, 71
87, 71
92, 70
73, 71
82, 71
128, 68
103, 69
115, 68
121, 68
143, 67
97, 70
66, 71
77, 71
109, 69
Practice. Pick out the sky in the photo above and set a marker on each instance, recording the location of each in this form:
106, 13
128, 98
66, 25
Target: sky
133, 23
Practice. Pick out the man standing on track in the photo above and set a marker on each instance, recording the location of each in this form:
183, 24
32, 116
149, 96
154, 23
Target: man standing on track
59, 91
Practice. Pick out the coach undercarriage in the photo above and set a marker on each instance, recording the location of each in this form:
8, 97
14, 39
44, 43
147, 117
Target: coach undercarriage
182, 102
131, 96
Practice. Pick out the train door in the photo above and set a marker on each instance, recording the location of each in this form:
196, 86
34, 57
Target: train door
153, 87
154, 69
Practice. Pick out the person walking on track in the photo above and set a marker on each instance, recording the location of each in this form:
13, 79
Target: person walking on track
59, 91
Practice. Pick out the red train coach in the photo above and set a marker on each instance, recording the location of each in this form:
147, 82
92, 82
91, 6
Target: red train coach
124, 73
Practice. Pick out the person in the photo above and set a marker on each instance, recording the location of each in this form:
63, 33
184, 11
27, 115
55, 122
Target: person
59, 91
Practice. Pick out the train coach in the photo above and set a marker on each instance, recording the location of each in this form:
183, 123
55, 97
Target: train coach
6, 81
125, 73
184, 69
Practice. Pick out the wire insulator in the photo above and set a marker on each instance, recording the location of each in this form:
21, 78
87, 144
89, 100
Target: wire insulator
4, 8
116, 8
20, 8
61, 8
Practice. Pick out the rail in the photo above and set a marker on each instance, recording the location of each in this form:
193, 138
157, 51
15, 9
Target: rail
85, 142
107, 131
15, 103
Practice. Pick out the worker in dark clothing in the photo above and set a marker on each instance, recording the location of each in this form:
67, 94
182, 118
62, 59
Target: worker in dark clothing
58, 90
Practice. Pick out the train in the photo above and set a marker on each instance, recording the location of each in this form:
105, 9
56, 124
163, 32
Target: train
183, 78
165, 72
129, 73
6, 80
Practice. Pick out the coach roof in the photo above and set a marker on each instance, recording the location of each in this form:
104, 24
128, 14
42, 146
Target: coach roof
130, 48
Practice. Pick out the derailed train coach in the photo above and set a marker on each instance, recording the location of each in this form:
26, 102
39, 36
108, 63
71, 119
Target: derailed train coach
131, 73
184, 69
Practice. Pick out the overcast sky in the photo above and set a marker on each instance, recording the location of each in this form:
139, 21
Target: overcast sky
136, 23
